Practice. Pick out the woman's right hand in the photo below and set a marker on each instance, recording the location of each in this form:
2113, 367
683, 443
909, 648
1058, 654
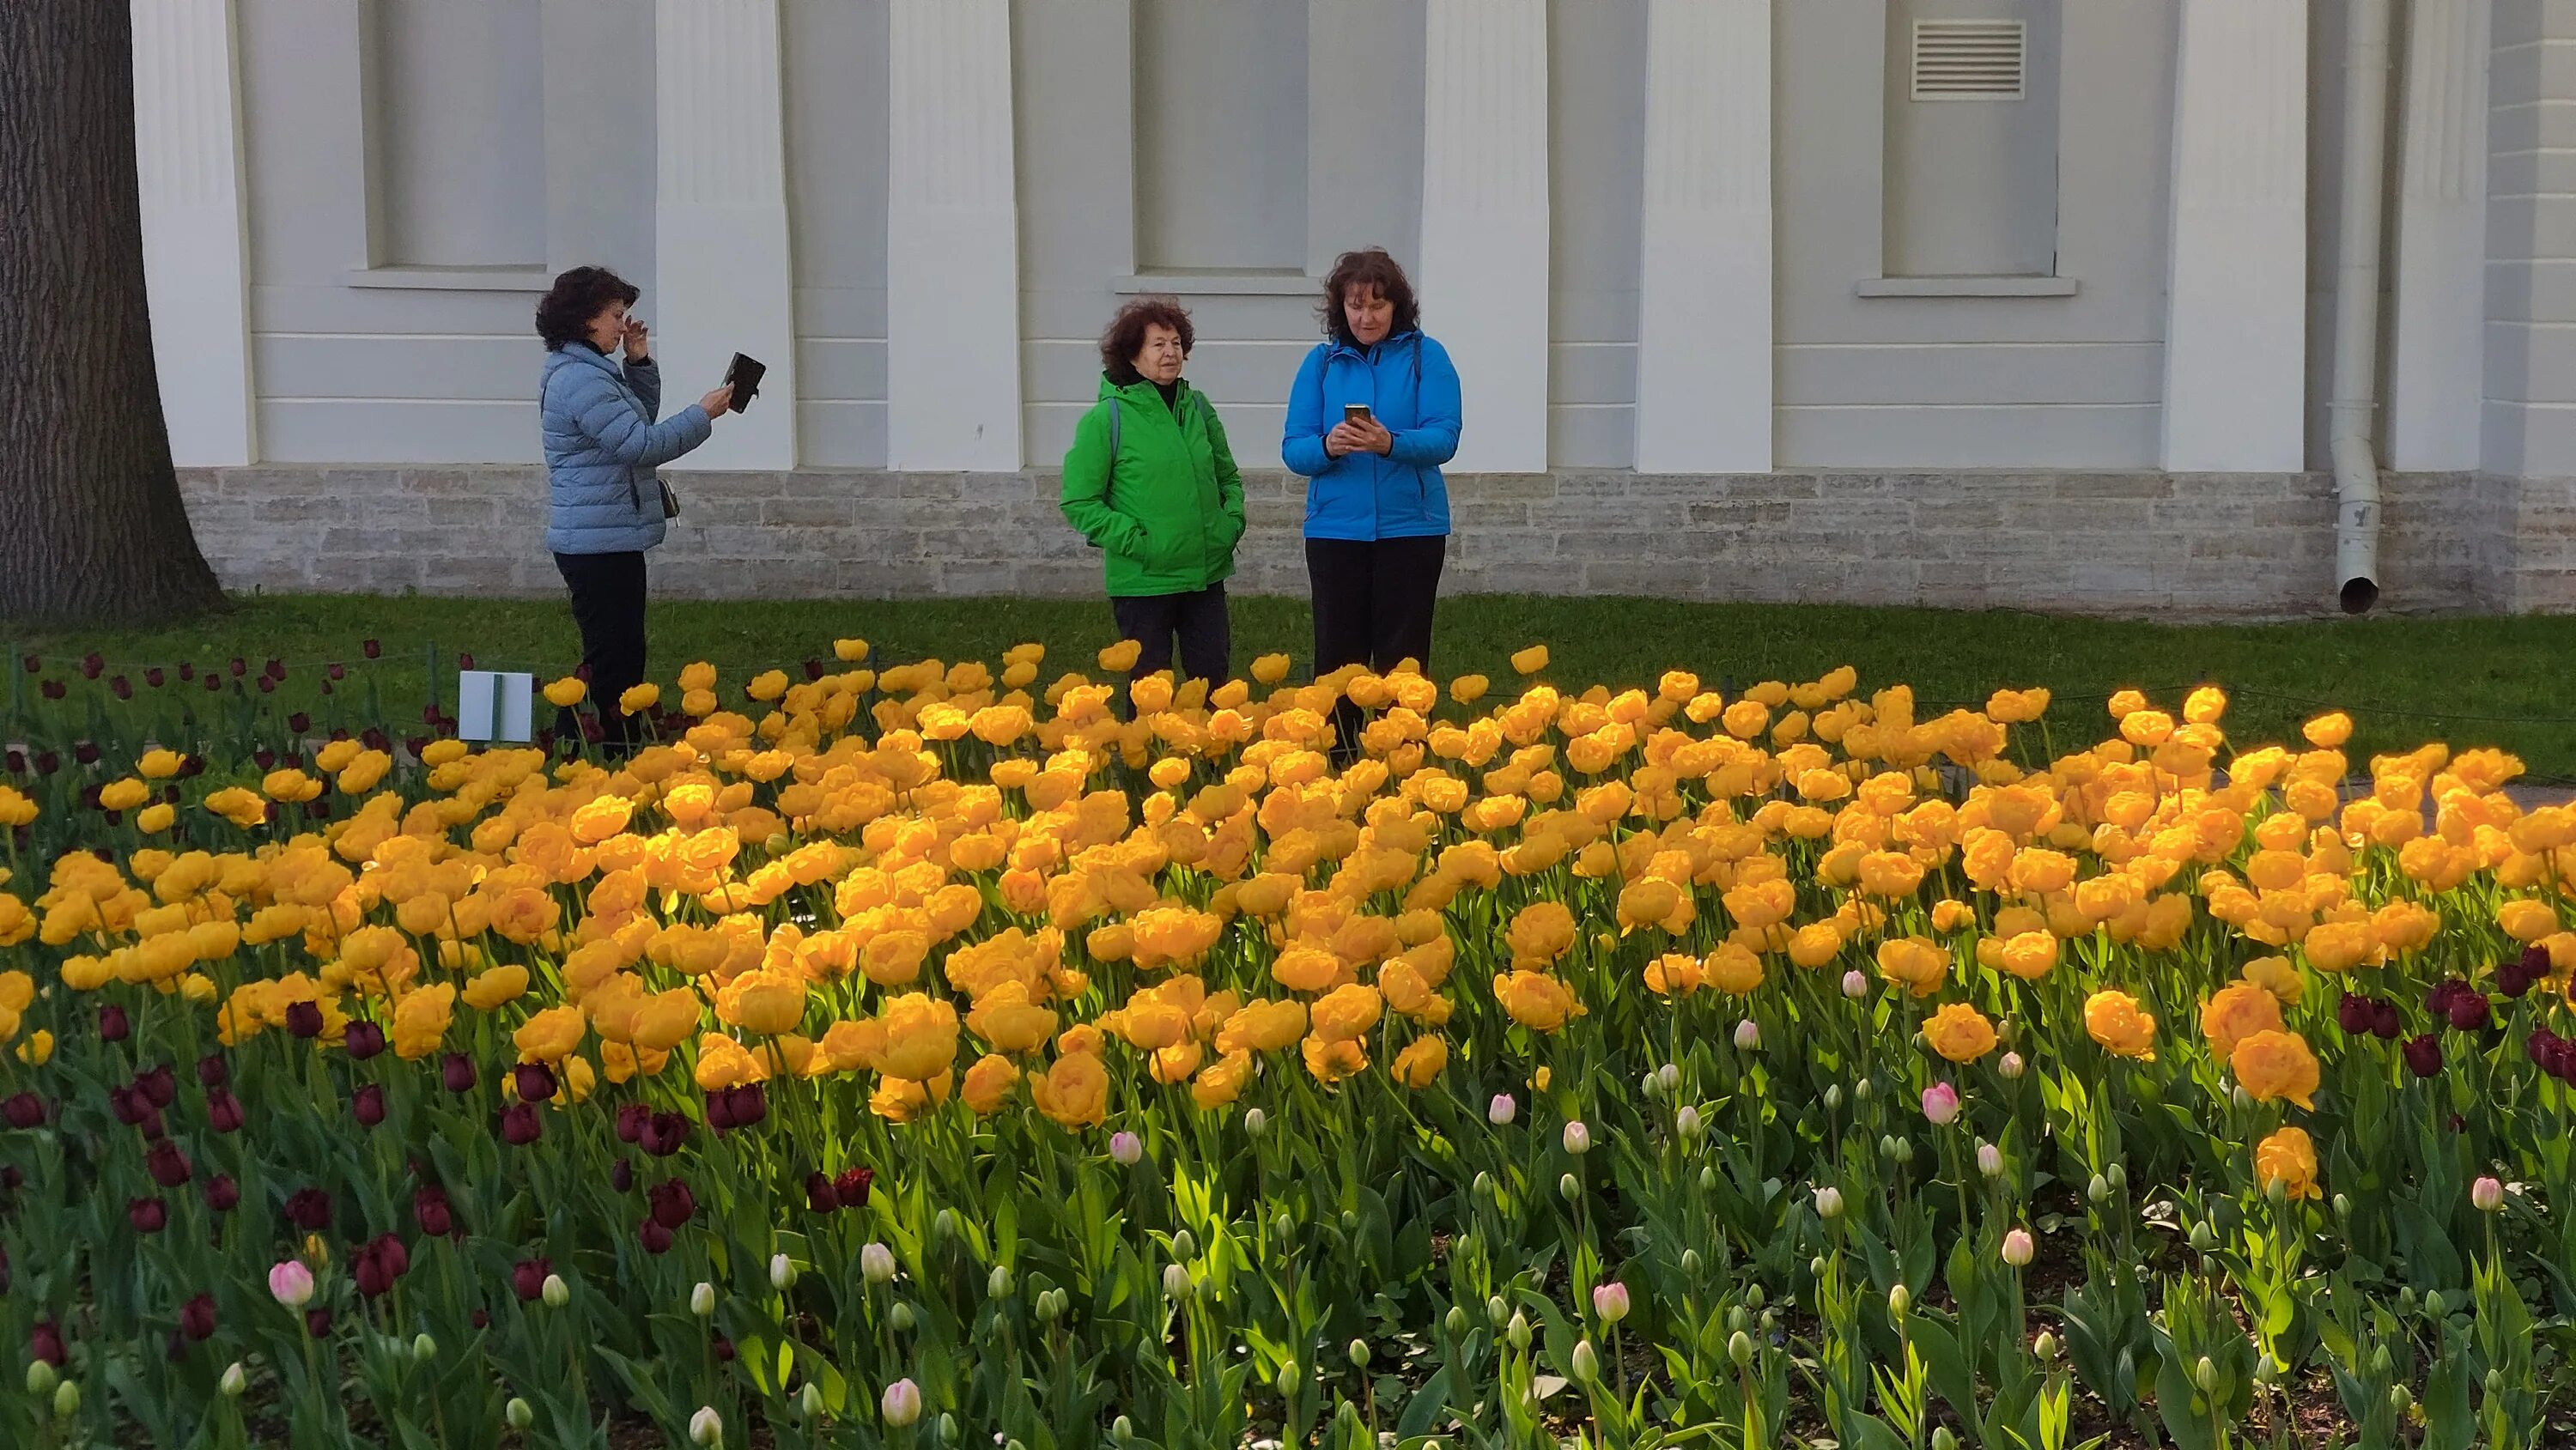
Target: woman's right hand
718, 402
1342, 441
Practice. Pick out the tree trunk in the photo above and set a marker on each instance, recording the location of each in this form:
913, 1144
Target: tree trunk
91, 523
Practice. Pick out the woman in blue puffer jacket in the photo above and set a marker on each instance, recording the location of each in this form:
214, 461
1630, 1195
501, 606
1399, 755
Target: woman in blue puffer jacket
1372, 416
604, 503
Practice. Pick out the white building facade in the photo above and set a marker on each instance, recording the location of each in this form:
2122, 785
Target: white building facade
1964, 302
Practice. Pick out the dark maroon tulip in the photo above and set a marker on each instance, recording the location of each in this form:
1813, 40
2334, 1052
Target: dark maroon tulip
631, 1118
113, 1025
2515, 977
372, 647
159, 1085
363, 1040
153, 1129
129, 1104
223, 1111
535, 1082
480, 1319
264, 758
375, 738
192, 767
148, 1215
304, 1019
819, 1194
456, 1072
2352, 1013
379, 1264
622, 1176
51, 689
724, 1350
309, 1209
813, 669
317, 1322
213, 1071
91, 664
2542, 1045
222, 1194
2385, 1024
655, 1238
673, 1204
33, 664
121, 687
24, 1110
429, 1206
154, 677
720, 1111
664, 1134
528, 1277
299, 722
197, 1318
238, 666
2468, 1010
852, 1186
519, 1124
86, 752
47, 762
464, 661
275, 669
369, 1105
337, 671
46, 1343
2423, 1054
168, 1164
187, 669
214, 686
747, 1104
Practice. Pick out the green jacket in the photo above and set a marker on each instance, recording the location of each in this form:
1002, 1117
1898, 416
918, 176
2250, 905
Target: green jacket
1167, 509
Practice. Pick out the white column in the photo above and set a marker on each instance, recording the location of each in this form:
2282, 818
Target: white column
196, 249
1704, 277
952, 239
721, 281
2236, 298
1484, 280
2437, 362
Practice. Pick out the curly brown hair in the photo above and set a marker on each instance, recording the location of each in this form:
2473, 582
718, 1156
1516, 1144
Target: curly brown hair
564, 313
1126, 335
1368, 270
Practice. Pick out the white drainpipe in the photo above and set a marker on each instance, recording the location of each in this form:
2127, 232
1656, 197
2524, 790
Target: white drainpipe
2356, 335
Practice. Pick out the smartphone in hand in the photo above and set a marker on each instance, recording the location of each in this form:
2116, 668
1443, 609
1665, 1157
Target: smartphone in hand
744, 378
1355, 412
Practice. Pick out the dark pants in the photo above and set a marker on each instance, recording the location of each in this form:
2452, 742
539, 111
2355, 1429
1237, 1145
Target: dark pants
608, 605
1373, 603
1197, 618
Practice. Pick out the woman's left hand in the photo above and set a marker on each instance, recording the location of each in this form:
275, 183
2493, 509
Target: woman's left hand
639, 341
1371, 435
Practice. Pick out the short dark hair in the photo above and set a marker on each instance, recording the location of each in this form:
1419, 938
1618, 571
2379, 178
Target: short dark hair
1371, 269
1126, 335
564, 313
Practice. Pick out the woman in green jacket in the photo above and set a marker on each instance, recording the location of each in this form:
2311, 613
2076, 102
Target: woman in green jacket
1150, 482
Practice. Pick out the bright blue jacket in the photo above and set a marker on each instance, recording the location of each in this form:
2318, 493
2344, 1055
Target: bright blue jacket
1412, 390
602, 446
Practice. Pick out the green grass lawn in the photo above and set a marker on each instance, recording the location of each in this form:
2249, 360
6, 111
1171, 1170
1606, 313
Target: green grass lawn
2466, 681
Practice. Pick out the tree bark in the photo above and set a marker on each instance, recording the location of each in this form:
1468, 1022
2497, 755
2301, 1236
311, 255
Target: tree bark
92, 527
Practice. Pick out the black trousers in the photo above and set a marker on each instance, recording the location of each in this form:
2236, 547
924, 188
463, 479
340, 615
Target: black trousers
1373, 604
608, 605
1198, 619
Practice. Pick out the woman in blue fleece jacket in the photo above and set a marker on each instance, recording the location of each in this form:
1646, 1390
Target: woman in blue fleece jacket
603, 500
1377, 510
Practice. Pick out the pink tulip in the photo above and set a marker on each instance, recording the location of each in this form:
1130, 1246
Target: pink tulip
2018, 1247
1610, 1301
1941, 1104
1126, 1148
2487, 1194
902, 1404
292, 1284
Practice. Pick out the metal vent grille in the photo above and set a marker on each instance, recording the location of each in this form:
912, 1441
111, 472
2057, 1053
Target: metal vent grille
1970, 60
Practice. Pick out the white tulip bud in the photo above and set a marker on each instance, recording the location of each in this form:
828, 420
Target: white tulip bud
518, 1413
1255, 1121
1829, 1202
1855, 985
1669, 1075
809, 1401
1748, 1035
702, 1300
2010, 1066
66, 1399
1686, 1123
876, 1263
1899, 1300
424, 1349
235, 1380
555, 1291
1587, 1362
1578, 1138
1184, 1245
706, 1427
998, 1283
782, 1273
901, 1405
1176, 1283
41, 1378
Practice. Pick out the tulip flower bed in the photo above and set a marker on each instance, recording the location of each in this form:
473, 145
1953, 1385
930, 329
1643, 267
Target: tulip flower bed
934, 1057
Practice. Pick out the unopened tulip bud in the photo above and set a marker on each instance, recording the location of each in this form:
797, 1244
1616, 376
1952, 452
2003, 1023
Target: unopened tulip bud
2343, 1205
1255, 1121
702, 1299
1904, 1152
1569, 1188
518, 1413
1887, 1146
1359, 1352
944, 1223
1738, 1319
1829, 1202
1739, 1347
1287, 1378
901, 1318
2487, 1194
901, 1405
1748, 1036
1834, 1097
1862, 1090
1651, 1085
1578, 1138
1122, 1430
1176, 1283
1126, 1148
1519, 1332
1690, 1263
1281, 1225
2399, 1401
2099, 1190
1496, 1311
2380, 1363
1184, 1245
1670, 1075
1816, 1266
1899, 1300
1753, 1296
235, 1380
2435, 1307
2278, 1190
1046, 1307
1686, 1123
1455, 1322
706, 1427
2241, 1098
2010, 1066
2018, 1248
1350, 1221
809, 1401
1855, 985
1587, 1362
998, 1283
2046, 1348
876, 1264
1944, 1438
1484, 1184
947, 1429
66, 1399
555, 1291
2495, 1382
2119, 1178
40, 1378
1941, 1104
1990, 1160
1708, 1179
424, 1348
1502, 1109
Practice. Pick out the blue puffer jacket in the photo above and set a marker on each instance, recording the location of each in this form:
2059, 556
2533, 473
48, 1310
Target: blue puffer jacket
602, 446
1412, 390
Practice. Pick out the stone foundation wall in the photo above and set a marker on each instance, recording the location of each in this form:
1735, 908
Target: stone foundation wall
2210, 546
